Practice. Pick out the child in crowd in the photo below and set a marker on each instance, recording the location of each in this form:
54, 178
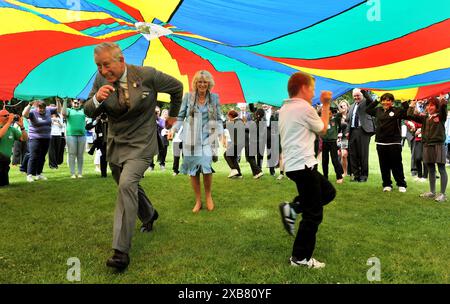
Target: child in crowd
389, 140
433, 139
330, 148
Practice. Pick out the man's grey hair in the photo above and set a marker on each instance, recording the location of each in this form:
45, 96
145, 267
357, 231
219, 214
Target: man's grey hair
111, 47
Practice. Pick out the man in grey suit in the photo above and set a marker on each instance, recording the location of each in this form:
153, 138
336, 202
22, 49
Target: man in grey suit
360, 127
127, 94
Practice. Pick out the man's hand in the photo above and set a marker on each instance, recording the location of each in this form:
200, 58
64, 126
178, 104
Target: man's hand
170, 121
104, 92
413, 103
170, 135
20, 122
10, 119
325, 98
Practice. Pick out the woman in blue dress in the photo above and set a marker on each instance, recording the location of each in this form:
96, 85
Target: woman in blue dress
200, 116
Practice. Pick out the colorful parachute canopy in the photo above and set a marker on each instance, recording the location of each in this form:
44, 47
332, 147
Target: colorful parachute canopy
250, 47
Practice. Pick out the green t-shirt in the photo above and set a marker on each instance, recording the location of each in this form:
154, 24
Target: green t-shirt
7, 141
76, 122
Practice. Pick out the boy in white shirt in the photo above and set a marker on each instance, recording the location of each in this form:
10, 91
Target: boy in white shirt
299, 123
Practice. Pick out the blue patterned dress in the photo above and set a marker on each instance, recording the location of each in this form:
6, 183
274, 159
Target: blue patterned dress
202, 125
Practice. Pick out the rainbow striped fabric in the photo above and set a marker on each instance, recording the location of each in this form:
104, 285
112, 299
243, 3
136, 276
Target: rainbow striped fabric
250, 47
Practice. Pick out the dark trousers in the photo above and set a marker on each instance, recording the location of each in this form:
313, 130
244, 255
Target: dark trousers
417, 158
358, 150
4, 170
38, 151
56, 151
177, 151
412, 146
233, 163
330, 148
314, 191
162, 155
26, 158
103, 162
390, 159
19, 150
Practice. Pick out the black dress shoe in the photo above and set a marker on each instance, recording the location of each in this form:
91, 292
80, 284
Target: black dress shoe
120, 260
149, 226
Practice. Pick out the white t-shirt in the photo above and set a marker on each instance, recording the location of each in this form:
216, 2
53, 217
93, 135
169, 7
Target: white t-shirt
298, 123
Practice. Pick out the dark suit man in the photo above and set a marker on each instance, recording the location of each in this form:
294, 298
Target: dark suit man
127, 94
360, 128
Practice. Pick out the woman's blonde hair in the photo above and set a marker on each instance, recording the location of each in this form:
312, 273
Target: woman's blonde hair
206, 76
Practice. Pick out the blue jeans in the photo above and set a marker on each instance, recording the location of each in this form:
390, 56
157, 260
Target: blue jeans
76, 146
38, 149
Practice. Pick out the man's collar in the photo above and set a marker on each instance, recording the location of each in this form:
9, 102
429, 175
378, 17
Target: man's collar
124, 75
297, 99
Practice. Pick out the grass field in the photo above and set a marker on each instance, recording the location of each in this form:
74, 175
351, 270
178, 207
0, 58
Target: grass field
45, 223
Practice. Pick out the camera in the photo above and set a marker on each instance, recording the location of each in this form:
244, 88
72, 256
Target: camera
16, 118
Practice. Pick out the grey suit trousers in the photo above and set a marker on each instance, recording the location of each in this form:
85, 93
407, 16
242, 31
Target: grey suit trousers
131, 201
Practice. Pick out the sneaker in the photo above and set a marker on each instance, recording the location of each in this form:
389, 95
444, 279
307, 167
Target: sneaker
73, 176
162, 168
79, 176
280, 177
151, 169
30, 178
233, 172
258, 175
41, 177
311, 263
288, 216
174, 174
402, 189
428, 195
239, 176
422, 180
440, 198
387, 189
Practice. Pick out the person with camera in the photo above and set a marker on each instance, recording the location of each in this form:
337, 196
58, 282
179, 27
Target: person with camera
330, 148
8, 135
40, 127
100, 125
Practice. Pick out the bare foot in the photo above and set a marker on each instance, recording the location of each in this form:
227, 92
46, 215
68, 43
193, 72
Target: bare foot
197, 207
210, 204
340, 181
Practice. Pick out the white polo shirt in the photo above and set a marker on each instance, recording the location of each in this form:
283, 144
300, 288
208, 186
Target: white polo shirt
298, 123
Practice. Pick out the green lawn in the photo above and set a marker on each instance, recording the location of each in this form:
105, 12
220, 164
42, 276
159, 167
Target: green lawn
242, 241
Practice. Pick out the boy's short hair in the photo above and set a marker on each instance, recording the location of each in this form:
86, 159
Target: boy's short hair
297, 80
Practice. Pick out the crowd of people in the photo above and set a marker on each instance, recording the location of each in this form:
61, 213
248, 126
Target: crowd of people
130, 130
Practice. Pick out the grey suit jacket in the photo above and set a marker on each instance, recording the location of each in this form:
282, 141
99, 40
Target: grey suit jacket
132, 134
366, 120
